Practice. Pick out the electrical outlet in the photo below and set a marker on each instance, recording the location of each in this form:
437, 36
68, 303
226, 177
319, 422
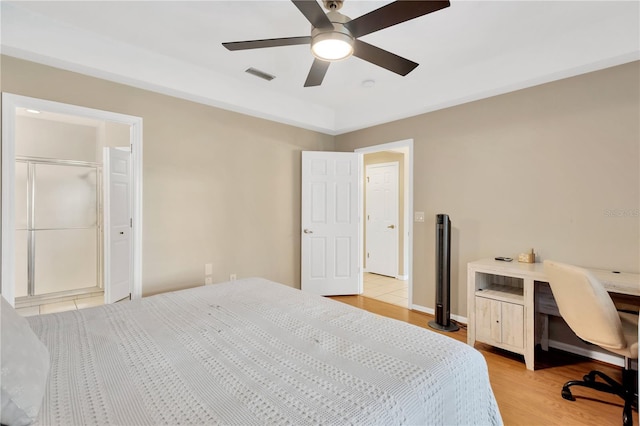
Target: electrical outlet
418, 217
232, 277
208, 280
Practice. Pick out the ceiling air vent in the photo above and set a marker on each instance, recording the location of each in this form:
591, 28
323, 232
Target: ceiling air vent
260, 74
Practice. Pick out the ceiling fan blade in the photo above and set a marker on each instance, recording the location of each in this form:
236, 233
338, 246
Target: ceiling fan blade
383, 58
316, 73
314, 13
271, 42
392, 14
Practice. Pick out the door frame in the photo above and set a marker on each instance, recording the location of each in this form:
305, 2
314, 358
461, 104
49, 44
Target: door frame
7, 227
405, 146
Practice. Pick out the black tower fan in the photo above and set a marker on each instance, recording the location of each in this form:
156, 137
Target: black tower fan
443, 275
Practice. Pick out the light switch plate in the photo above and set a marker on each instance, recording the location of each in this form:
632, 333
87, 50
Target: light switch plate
208, 269
418, 217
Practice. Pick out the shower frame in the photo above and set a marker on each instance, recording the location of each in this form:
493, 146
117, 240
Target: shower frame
31, 163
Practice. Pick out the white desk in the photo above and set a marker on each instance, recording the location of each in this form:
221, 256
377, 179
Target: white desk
508, 303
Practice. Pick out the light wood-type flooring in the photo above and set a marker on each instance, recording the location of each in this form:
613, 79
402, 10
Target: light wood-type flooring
528, 397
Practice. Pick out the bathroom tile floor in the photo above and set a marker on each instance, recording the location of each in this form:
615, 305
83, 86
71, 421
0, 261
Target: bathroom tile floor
67, 305
386, 289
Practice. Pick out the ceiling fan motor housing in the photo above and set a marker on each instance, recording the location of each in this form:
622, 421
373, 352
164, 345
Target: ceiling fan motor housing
339, 32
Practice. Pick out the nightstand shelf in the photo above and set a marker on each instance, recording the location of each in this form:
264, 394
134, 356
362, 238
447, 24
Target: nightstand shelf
504, 293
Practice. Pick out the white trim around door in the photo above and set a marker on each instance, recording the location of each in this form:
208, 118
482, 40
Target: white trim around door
405, 146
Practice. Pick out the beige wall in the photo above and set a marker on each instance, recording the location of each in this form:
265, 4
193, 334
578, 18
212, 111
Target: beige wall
554, 167
116, 134
389, 157
219, 187
57, 136
36, 137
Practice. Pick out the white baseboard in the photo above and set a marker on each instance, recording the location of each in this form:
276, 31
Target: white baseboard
599, 356
397, 277
431, 311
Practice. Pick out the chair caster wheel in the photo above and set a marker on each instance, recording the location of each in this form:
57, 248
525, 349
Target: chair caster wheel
627, 419
566, 394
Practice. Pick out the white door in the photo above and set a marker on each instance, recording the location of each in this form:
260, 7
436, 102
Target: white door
117, 224
331, 253
382, 205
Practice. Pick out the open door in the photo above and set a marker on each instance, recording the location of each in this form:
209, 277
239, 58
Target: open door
331, 228
117, 224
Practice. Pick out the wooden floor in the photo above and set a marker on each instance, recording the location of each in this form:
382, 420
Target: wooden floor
528, 397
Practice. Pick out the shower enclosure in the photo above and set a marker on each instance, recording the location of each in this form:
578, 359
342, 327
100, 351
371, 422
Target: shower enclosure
58, 235
53, 211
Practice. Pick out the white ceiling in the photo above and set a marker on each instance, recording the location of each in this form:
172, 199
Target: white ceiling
469, 51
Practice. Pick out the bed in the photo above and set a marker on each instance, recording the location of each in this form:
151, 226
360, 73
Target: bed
248, 352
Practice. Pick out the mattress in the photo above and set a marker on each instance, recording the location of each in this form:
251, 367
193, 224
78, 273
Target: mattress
255, 352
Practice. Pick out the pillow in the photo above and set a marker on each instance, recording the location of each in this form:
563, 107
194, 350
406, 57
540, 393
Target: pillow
24, 370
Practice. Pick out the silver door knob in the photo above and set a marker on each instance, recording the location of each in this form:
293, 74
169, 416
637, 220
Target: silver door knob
306, 231
391, 226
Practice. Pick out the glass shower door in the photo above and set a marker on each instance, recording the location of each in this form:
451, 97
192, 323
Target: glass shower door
61, 232
65, 228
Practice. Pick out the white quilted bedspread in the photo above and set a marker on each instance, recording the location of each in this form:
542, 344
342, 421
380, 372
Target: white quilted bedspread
254, 352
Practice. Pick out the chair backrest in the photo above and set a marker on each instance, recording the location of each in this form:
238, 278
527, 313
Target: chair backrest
585, 305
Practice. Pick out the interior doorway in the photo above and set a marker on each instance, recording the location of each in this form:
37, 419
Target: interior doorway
61, 195
393, 283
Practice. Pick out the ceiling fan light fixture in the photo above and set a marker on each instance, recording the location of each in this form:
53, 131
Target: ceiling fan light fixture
335, 36
332, 46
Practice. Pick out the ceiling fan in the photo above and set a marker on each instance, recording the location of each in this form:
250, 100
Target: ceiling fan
334, 36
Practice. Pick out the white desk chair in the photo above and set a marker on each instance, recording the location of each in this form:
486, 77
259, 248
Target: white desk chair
588, 309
